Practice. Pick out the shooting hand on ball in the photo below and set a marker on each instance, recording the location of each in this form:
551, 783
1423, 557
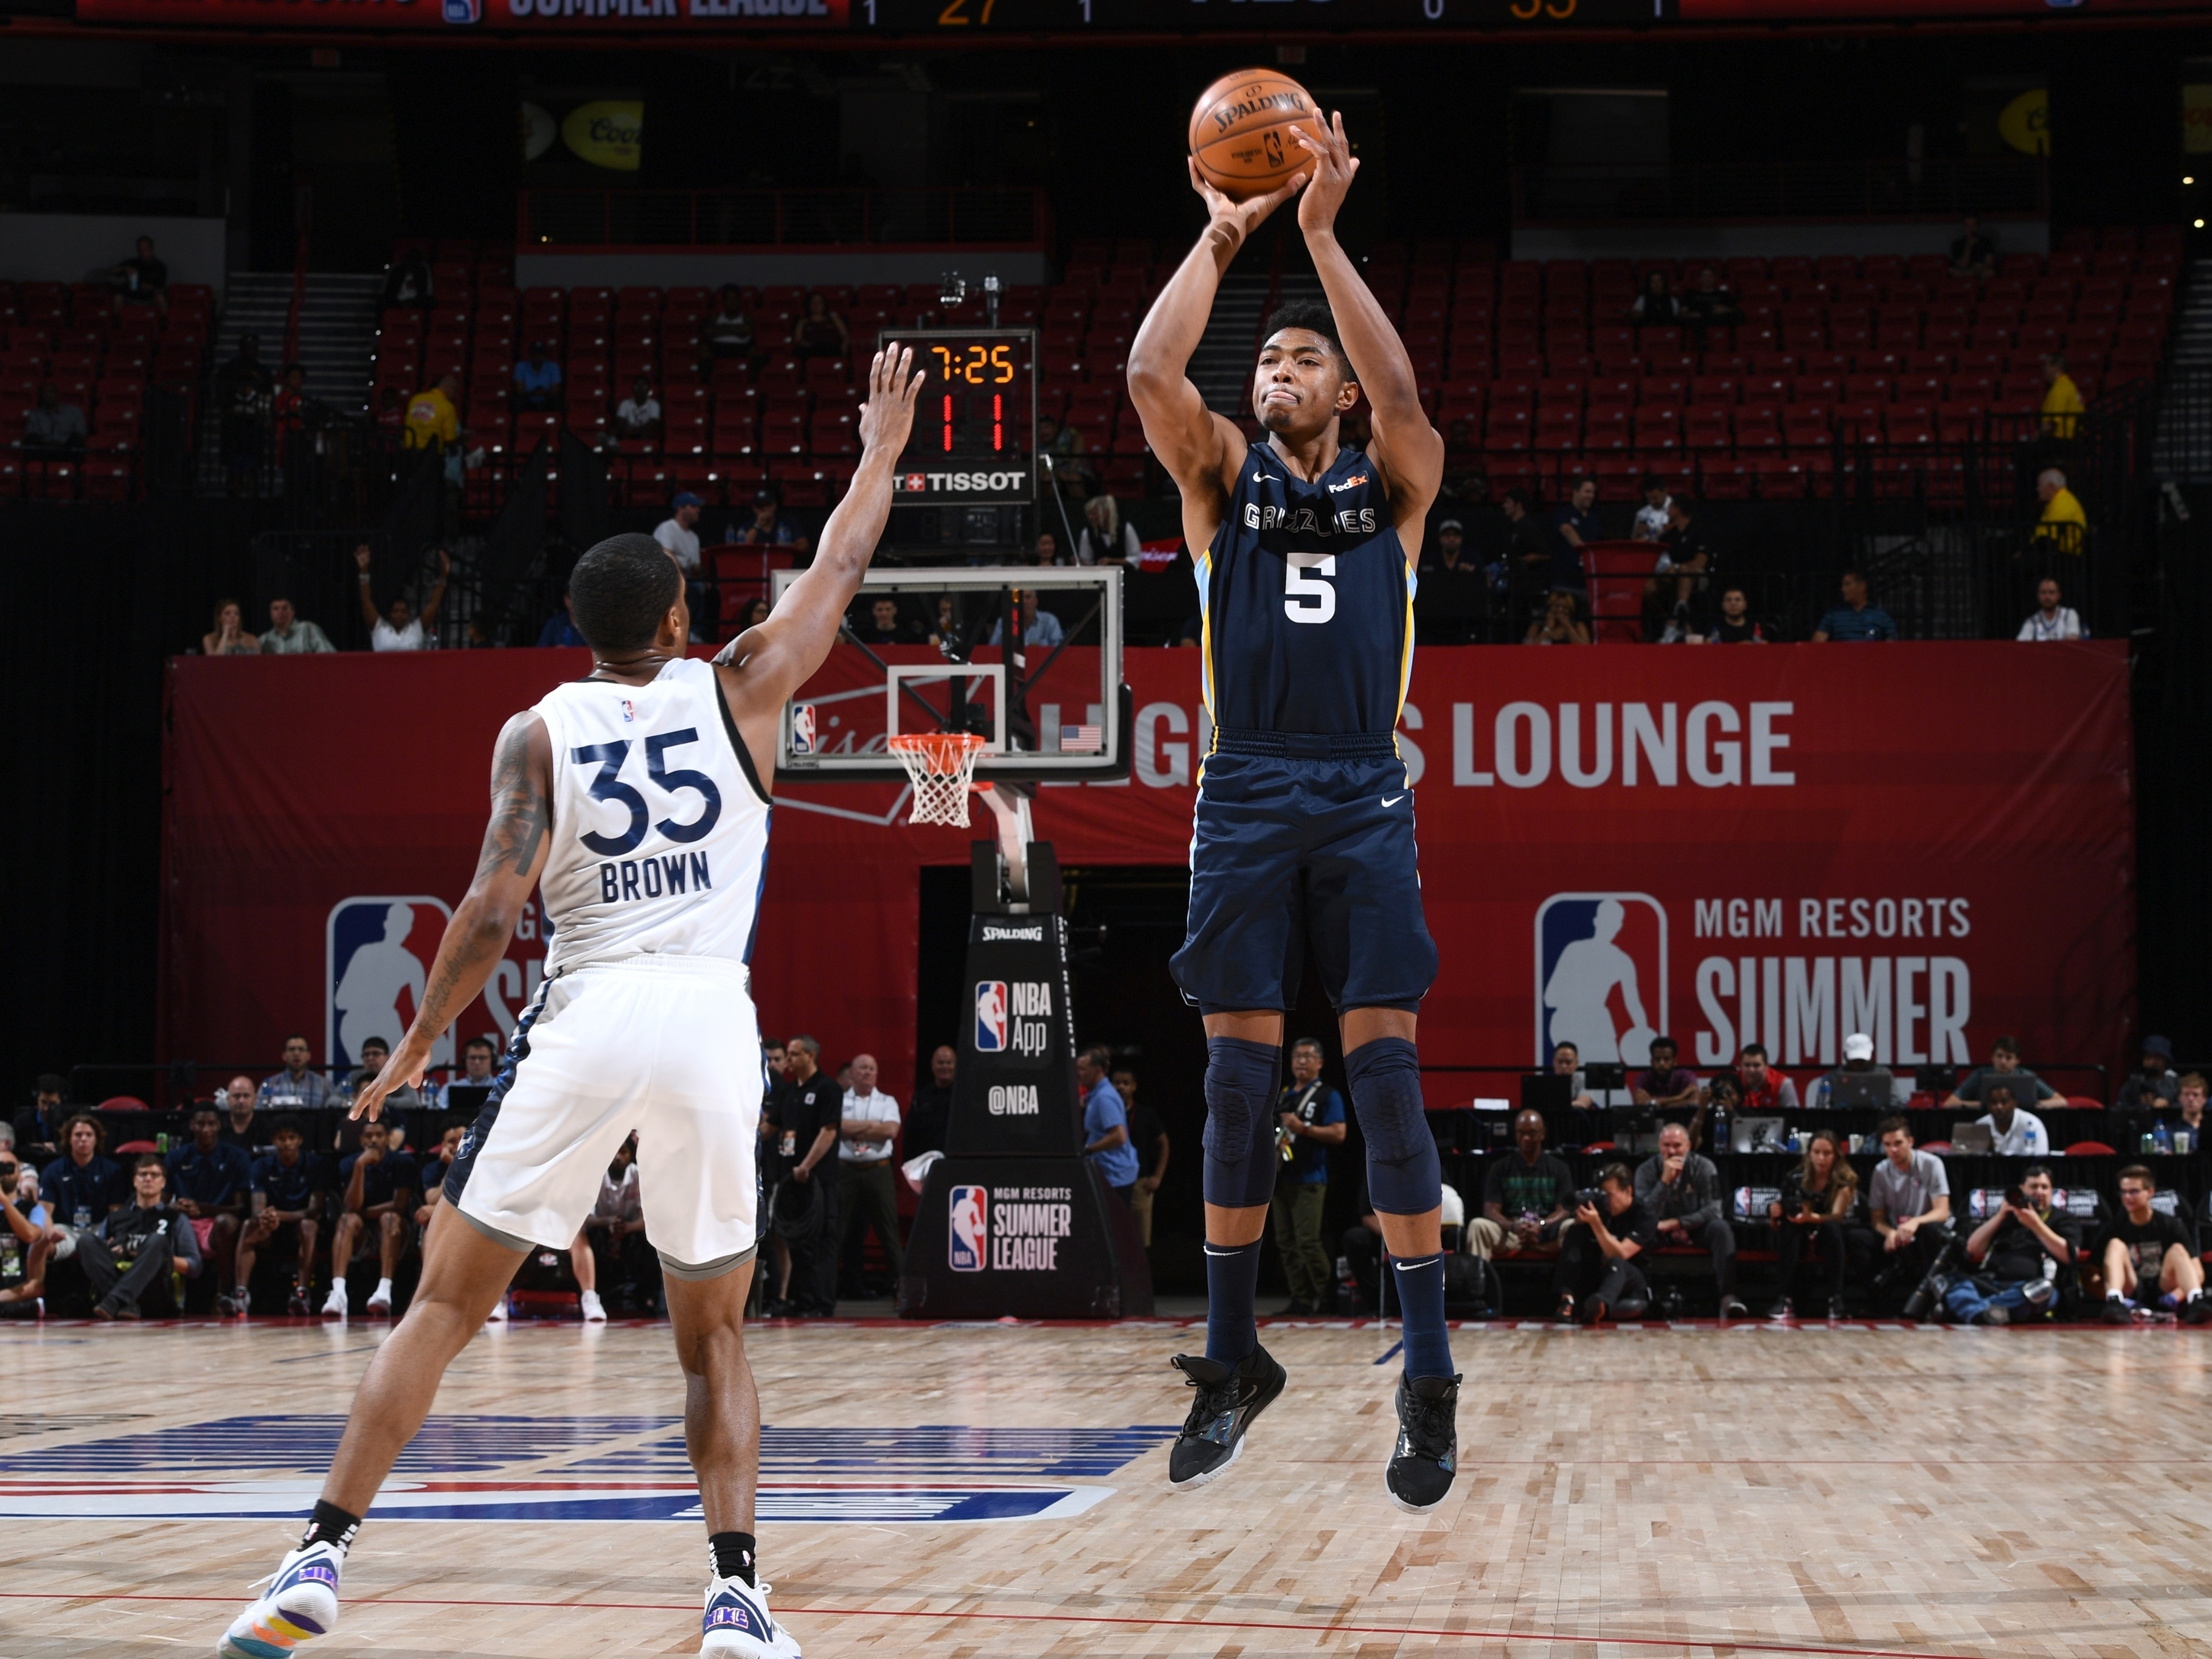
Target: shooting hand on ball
1237, 220
1333, 166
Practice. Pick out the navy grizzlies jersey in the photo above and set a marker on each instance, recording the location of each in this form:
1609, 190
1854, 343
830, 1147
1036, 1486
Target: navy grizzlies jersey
1307, 599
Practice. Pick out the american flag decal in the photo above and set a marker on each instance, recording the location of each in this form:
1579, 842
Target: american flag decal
1081, 740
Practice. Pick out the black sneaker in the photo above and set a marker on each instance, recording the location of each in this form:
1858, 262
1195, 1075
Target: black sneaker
1422, 1464
1226, 1401
298, 1308
2197, 1310
2117, 1312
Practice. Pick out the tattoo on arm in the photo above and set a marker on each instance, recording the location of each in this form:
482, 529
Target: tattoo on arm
521, 817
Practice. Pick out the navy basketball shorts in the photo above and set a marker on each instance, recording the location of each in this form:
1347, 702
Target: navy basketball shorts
1303, 840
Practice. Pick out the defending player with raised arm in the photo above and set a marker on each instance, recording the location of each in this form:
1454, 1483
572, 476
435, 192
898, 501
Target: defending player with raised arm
635, 801
1303, 831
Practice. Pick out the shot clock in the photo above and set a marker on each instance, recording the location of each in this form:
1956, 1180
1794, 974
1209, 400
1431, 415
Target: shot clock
974, 421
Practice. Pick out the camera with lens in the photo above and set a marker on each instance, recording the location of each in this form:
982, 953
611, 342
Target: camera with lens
1592, 1195
1936, 1282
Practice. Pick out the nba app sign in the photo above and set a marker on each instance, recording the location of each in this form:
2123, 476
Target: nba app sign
1019, 1232
1013, 1017
1601, 976
378, 951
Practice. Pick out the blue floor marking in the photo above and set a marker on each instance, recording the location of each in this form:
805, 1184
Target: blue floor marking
1391, 1353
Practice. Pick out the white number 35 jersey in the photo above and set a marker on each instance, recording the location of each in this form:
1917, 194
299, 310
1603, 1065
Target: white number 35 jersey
659, 826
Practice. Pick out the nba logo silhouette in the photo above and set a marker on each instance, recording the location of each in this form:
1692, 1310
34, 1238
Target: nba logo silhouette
802, 729
991, 1016
630, 711
1601, 976
464, 12
967, 1239
378, 955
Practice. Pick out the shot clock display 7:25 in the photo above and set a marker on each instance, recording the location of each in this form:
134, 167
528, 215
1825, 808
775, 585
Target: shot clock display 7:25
975, 422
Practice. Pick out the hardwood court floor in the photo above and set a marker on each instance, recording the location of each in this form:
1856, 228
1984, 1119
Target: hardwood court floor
1699, 1490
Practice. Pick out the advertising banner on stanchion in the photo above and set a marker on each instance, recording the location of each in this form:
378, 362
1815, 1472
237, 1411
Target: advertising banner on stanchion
1931, 844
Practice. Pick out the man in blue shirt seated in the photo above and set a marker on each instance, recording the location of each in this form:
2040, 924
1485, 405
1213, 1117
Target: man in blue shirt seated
1309, 1119
288, 1206
1856, 619
82, 1185
537, 380
380, 1186
1105, 1121
210, 1180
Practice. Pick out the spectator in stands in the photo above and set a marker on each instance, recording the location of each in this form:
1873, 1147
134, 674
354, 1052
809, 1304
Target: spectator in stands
1858, 1061
1105, 1121
1909, 1200
1857, 618
211, 1180
125, 1259
52, 427
614, 1232
1655, 307
2051, 620
1820, 1199
1574, 526
2152, 1086
728, 335
379, 1187
2150, 1258
1150, 1137
1106, 537
1530, 543
407, 282
26, 1236
820, 332
479, 1059
756, 612
768, 528
679, 533
142, 279
1759, 1087
436, 1164
1525, 1195
1653, 518
399, 628
83, 1183
243, 393
2064, 522
537, 380
1973, 253
1040, 630
637, 416
1665, 1084
2018, 1255
287, 1207
2004, 1066
39, 1129
1449, 552
882, 626
228, 637
432, 417
2190, 1109
1681, 1189
299, 1087
2062, 407
932, 1113
1045, 550
296, 416
1061, 448
1709, 303
2013, 1132
1598, 1251
1309, 1120
561, 628
240, 1126
287, 635
399, 1105
1561, 623
1735, 625
867, 1187
1683, 555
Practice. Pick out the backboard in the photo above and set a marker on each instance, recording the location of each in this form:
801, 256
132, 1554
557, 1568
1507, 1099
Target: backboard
1056, 710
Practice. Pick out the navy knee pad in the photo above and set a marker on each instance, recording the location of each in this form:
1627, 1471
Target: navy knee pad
1240, 1124
1403, 1177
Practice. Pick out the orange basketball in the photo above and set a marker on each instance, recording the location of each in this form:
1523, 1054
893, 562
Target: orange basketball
1240, 131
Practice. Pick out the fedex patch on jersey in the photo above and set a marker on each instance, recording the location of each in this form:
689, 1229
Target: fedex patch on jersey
378, 955
966, 1241
991, 1016
1601, 976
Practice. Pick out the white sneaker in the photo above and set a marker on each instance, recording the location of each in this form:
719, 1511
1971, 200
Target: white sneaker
334, 1305
738, 1626
498, 1314
302, 1604
380, 1299
595, 1311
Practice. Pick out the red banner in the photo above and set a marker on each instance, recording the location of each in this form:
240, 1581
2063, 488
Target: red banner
632, 21
1933, 844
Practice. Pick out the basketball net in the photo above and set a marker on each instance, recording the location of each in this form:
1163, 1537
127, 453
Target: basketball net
942, 767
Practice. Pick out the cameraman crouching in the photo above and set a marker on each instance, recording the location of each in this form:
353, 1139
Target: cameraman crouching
2017, 1255
1598, 1251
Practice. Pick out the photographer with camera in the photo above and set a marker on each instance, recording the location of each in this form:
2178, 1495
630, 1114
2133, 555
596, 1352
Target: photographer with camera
1910, 1200
1682, 1191
2150, 1258
2017, 1255
1598, 1251
1819, 1199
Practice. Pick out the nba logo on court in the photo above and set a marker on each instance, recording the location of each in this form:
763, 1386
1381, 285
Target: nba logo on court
378, 952
967, 1238
1601, 976
991, 1016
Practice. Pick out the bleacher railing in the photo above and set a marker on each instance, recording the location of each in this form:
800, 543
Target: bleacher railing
1943, 188
550, 221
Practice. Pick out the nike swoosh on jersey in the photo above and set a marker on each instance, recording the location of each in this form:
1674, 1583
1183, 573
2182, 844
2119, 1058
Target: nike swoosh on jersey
1392, 800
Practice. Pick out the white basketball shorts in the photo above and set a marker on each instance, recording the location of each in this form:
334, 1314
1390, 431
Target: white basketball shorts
668, 1046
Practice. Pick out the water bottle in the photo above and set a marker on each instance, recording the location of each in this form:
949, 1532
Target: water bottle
2162, 1139
161, 1143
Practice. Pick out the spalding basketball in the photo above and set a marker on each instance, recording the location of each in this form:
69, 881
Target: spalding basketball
1240, 131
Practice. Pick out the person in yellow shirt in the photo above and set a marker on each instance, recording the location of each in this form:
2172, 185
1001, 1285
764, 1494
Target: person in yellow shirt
2063, 523
430, 414
2061, 403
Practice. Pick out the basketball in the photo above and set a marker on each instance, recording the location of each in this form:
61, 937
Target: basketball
1240, 131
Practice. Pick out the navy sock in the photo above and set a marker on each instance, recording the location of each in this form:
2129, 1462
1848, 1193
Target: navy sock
1420, 1287
1232, 1279
733, 1554
330, 1525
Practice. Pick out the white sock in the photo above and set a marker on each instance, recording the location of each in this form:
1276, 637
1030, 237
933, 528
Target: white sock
384, 1289
66, 1249
2114, 1296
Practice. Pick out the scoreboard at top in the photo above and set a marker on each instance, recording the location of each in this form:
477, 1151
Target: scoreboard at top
974, 419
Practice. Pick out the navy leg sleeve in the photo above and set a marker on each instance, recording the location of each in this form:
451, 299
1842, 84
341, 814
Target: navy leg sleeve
1240, 1125
1404, 1176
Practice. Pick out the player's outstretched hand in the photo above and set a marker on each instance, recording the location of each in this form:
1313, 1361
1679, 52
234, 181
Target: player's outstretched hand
887, 417
404, 1065
1241, 218
1334, 166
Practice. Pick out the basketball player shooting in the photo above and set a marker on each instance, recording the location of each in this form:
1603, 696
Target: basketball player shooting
1304, 829
637, 801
